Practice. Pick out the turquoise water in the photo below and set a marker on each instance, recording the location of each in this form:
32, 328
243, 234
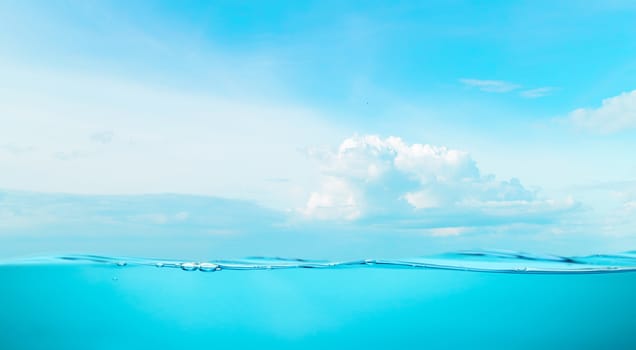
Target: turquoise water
469, 300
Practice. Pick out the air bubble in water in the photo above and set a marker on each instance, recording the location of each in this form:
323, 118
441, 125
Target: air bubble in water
122, 263
208, 267
189, 266
159, 264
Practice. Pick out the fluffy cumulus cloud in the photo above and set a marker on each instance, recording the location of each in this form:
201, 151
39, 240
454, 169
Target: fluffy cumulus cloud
615, 114
370, 177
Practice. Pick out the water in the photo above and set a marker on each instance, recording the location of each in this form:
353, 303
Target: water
469, 300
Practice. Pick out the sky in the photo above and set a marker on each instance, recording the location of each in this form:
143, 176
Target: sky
322, 128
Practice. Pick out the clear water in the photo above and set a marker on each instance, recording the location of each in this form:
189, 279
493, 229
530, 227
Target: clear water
469, 300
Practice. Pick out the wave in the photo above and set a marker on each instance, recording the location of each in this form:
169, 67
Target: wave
475, 260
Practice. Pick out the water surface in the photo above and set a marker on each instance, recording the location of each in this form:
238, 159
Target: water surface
476, 300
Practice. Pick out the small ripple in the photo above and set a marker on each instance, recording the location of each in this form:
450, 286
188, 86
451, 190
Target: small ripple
475, 261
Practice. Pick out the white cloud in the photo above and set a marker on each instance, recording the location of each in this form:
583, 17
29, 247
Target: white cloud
368, 176
615, 114
103, 137
627, 196
497, 86
138, 213
447, 231
16, 150
336, 200
109, 135
500, 86
538, 92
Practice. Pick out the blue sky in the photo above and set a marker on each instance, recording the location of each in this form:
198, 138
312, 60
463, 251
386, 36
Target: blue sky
454, 124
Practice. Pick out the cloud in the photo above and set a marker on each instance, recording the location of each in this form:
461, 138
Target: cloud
72, 155
630, 206
538, 92
447, 231
500, 86
627, 197
202, 228
497, 86
103, 137
387, 180
615, 114
66, 213
125, 133
16, 149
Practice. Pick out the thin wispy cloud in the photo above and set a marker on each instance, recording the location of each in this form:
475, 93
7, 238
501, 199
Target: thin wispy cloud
103, 137
538, 92
501, 86
16, 149
496, 86
133, 126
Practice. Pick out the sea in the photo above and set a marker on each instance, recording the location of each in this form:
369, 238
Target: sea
458, 300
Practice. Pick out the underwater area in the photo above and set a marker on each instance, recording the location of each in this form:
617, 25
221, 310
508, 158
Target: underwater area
469, 299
